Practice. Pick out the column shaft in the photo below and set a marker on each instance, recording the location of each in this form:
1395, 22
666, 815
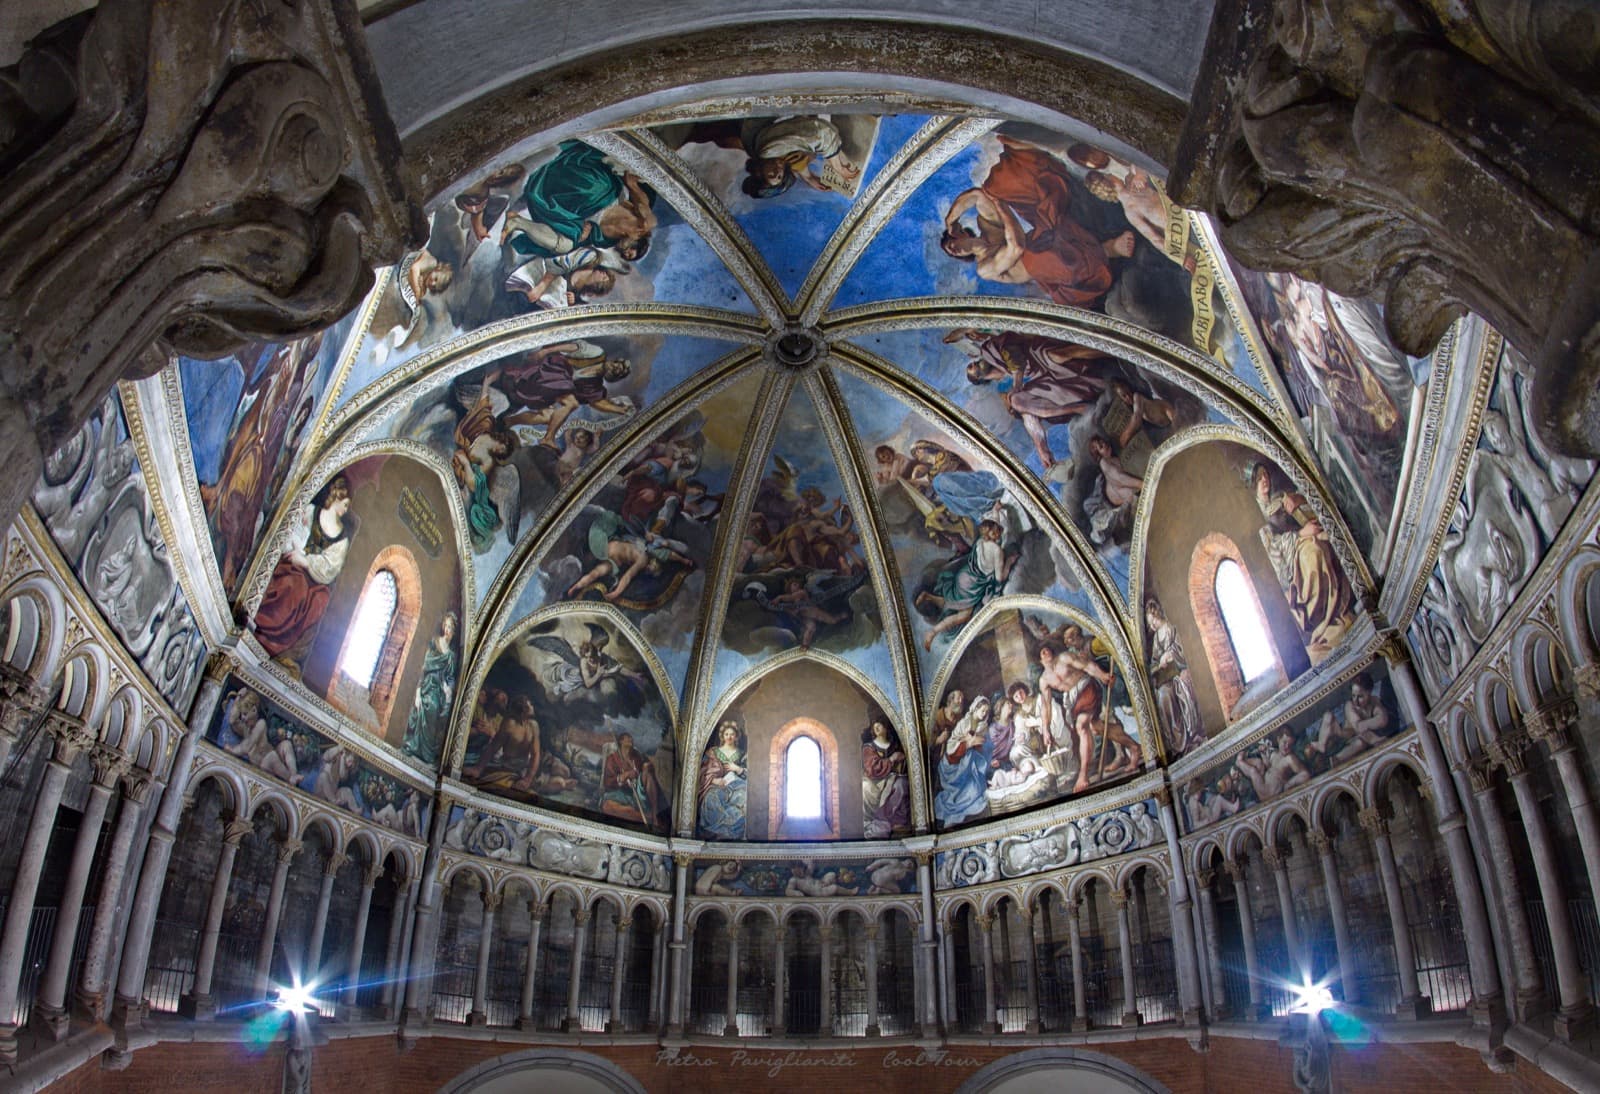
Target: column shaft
1030, 970
525, 1019
574, 1020
19, 912
1247, 930
873, 1029
826, 932
93, 977
311, 968
1209, 925
287, 849
991, 1012
1405, 957
619, 971
358, 937
391, 952
1529, 978
658, 971
1130, 997
1341, 920
198, 1003
1278, 860
780, 977
479, 1015
49, 1009
730, 1027
1080, 1006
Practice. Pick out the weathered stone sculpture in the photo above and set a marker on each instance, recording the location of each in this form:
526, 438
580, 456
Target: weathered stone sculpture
186, 175
1445, 155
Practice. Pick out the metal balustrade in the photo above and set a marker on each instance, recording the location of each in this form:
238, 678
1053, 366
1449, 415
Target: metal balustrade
169, 976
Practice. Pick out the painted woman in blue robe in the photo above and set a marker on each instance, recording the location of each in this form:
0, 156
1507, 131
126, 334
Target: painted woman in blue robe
724, 785
425, 725
964, 767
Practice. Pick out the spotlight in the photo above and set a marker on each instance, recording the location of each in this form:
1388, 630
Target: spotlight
1312, 999
298, 999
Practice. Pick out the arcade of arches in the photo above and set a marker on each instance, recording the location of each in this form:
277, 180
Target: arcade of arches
718, 548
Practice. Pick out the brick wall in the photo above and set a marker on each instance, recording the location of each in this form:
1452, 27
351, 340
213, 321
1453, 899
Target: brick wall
373, 1064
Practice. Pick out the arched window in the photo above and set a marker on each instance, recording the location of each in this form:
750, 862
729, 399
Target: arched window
370, 629
378, 639
802, 784
1247, 631
1242, 653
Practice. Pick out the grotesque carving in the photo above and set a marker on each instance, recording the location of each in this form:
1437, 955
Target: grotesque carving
1443, 154
180, 173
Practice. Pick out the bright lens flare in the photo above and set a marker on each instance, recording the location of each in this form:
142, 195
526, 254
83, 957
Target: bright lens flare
298, 999
1312, 999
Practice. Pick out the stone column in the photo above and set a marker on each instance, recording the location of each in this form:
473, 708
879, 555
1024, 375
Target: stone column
1336, 910
419, 976
391, 949
1197, 928
1247, 928
826, 934
1411, 1004
525, 1018
479, 1015
948, 976
873, 1029
71, 738
1185, 950
1203, 880
140, 928
658, 945
1574, 1017
400, 977
1080, 1006
780, 981
1030, 961
730, 1012
681, 861
358, 937
1130, 999
1553, 724
1529, 986
238, 173
929, 1000
991, 1012
1277, 859
22, 703
574, 1019
199, 1004
49, 1009
614, 1024
288, 848
93, 978
1488, 1004
311, 973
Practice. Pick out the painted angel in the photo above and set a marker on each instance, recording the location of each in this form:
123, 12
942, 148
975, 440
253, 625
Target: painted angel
579, 673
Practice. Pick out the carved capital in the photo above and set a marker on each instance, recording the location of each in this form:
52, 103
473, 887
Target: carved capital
985, 922
1374, 822
136, 786
1074, 909
536, 911
288, 848
491, 901
1163, 795
236, 171
1319, 841
335, 862
109, 765
1480, 773
825, 932
580, 916
371, 873
625, 923
1204, 878
1388, 149
734, 930
1509, 750
1275, 856
1553, 723
235, 830
1235, 869
71, 735
1119, 898
682, 859
1586, 679
923, 858
218, 666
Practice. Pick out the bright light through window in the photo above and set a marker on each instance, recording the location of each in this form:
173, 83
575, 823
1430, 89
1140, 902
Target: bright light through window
802, 781
1246, 629
370, 629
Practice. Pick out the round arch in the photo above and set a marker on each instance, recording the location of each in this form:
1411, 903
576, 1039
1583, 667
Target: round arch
1040, 1070
556, 1070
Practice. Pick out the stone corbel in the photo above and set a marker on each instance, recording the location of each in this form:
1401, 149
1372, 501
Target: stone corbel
1442, 155
187, 176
